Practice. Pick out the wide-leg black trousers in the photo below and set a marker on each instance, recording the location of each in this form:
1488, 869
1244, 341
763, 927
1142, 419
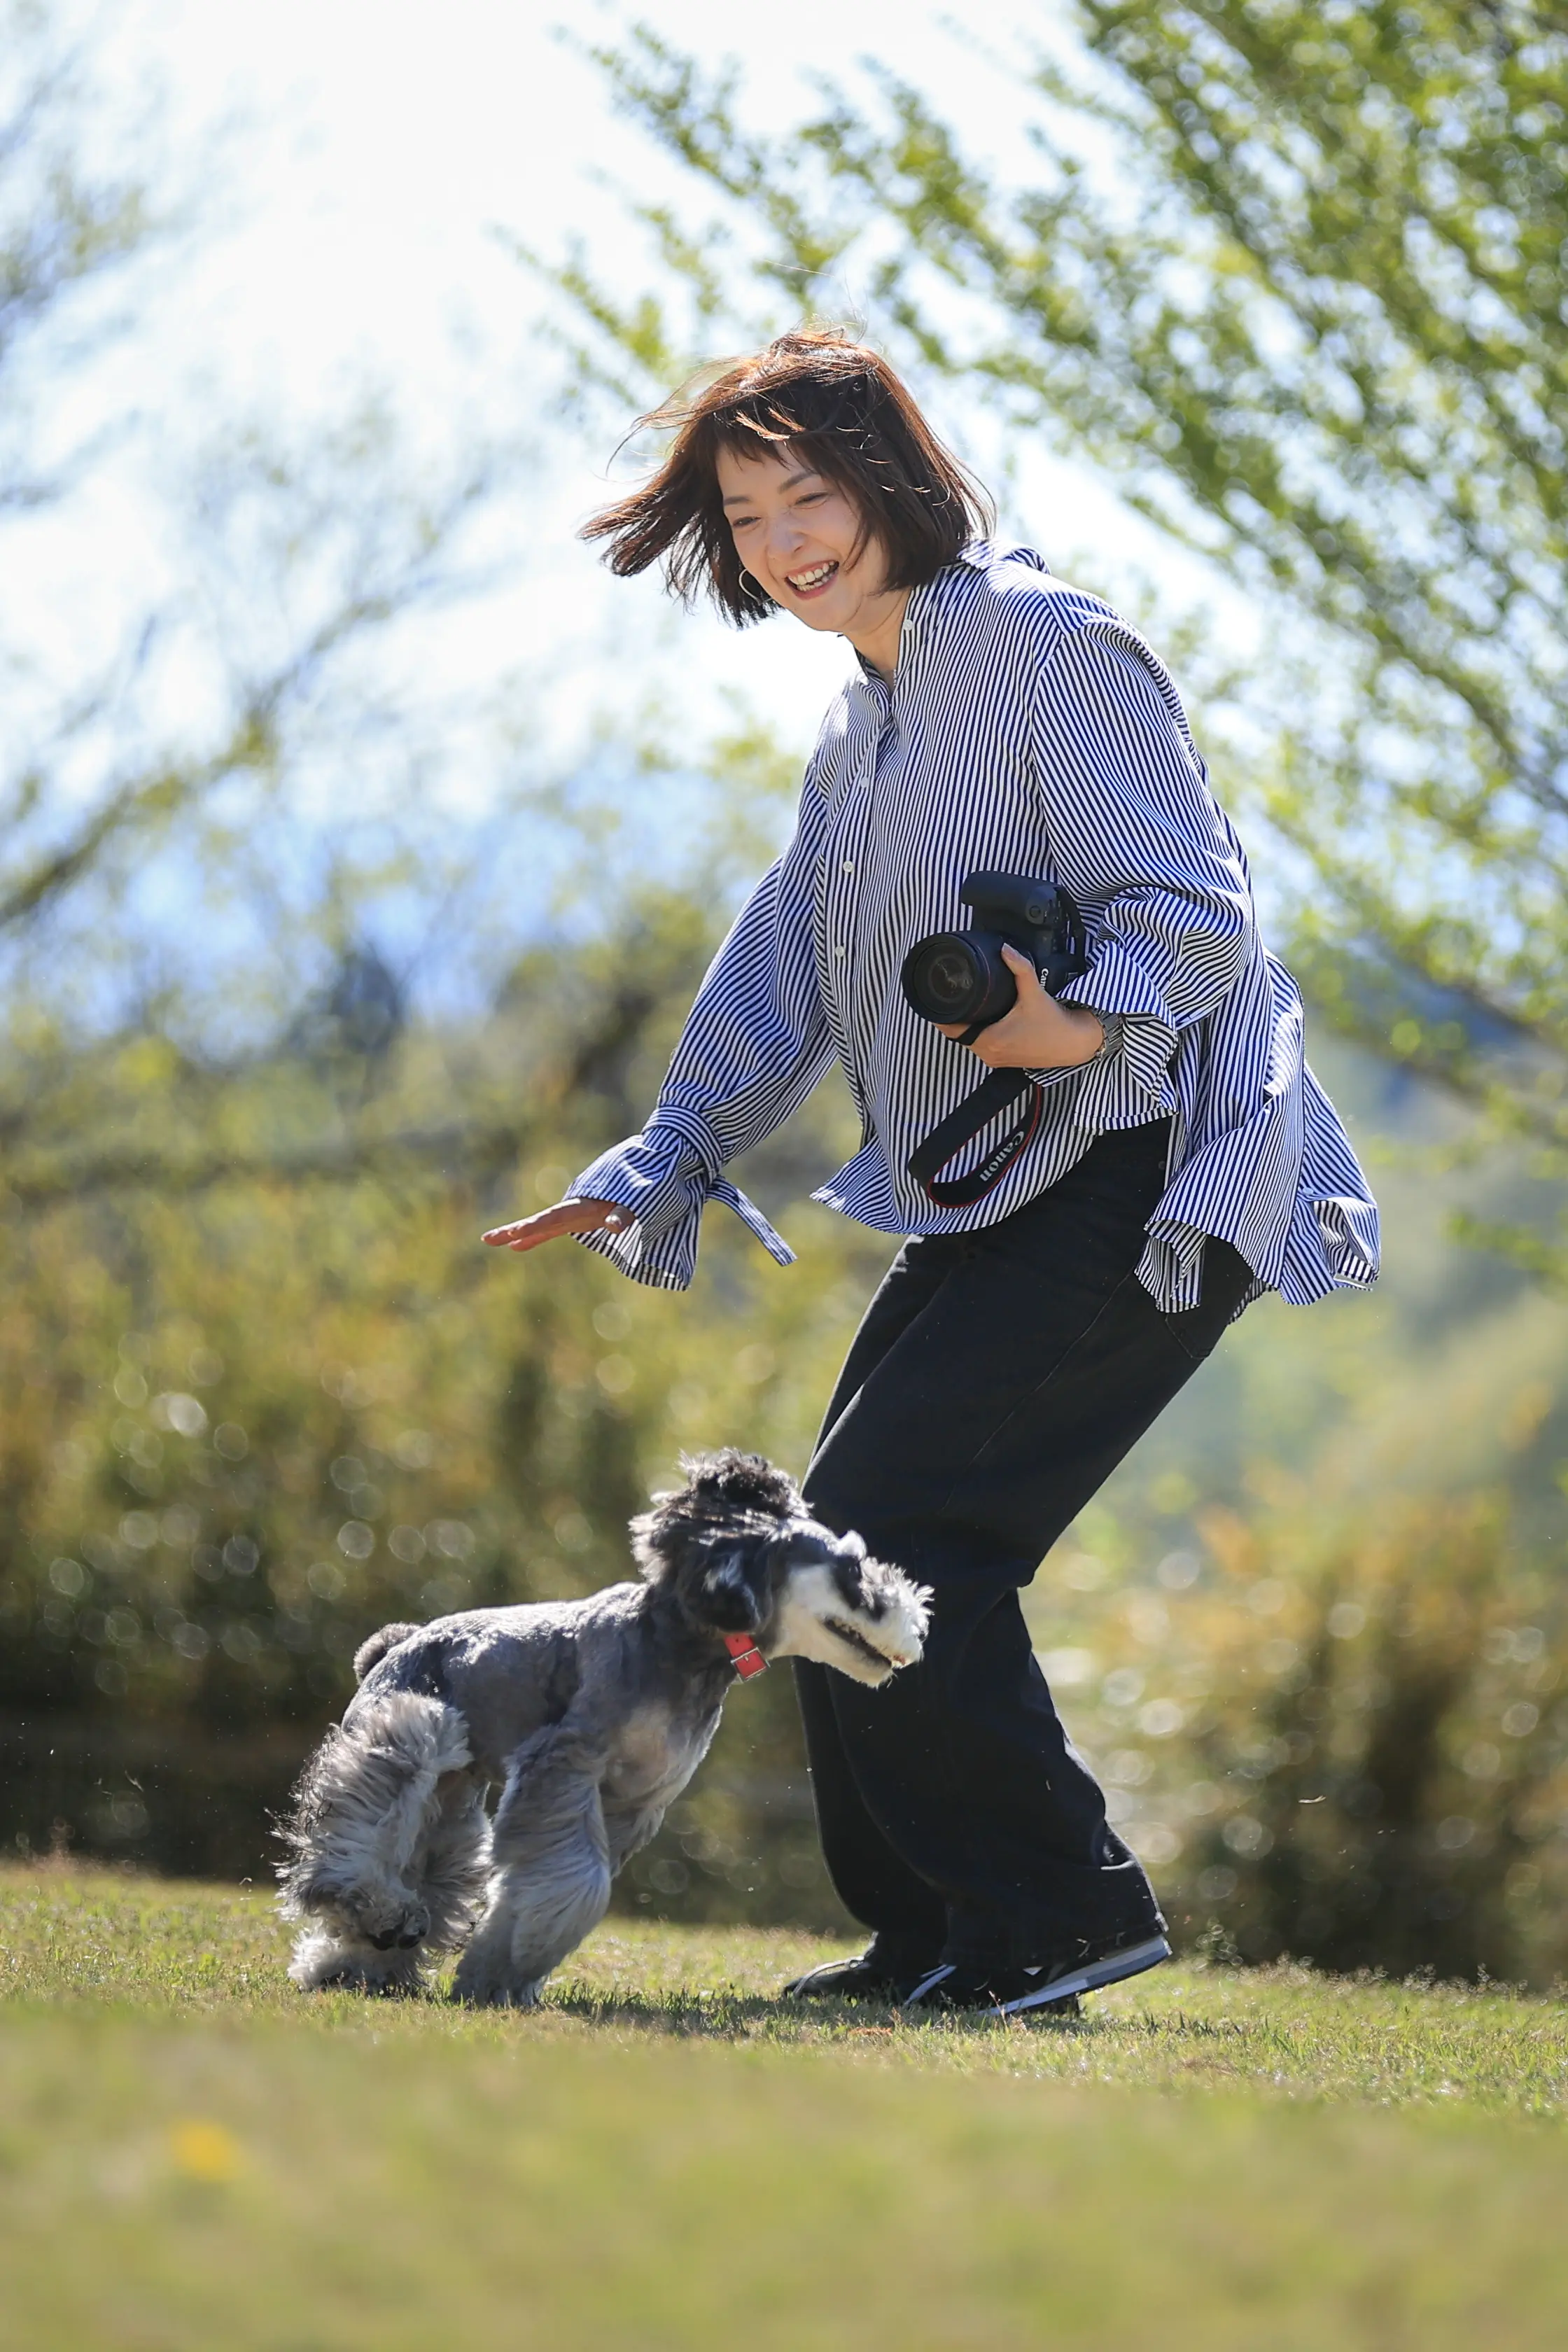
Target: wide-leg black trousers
998, 1377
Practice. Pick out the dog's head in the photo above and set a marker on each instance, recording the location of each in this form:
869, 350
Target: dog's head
743, 1555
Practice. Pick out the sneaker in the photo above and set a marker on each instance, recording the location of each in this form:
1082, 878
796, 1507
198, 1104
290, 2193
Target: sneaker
861, 1978
997, 1990
1052, 1984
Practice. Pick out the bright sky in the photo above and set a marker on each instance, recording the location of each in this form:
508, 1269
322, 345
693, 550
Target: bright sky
348, 165
374, 149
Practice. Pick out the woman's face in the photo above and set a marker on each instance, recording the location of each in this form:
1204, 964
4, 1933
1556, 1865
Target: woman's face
795, 531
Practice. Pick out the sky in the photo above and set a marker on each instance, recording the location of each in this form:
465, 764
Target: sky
351, 170
355, 163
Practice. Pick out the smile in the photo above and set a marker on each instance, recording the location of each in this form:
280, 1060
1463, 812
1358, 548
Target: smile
807, 583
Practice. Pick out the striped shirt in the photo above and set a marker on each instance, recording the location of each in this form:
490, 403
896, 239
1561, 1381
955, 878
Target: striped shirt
1027, 729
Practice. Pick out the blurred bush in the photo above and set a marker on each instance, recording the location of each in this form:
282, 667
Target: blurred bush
1310, 1635
243, 1427
1353, 1753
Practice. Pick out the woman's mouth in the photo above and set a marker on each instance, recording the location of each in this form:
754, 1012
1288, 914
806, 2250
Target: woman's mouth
814, 580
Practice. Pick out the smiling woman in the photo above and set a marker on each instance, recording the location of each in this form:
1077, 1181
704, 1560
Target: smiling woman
1176, 1161
805, 545
812, 455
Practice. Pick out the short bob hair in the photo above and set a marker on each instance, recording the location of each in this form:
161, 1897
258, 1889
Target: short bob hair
833, 403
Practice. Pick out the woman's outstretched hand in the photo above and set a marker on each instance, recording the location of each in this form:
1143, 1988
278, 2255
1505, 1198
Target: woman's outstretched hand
1038, 1034
566, 1217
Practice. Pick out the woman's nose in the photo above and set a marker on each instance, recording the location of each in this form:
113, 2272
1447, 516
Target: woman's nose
786, 540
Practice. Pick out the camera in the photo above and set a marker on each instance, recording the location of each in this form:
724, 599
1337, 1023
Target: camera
960, 975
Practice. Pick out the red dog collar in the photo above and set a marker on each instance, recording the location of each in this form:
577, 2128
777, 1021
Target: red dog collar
749, 1660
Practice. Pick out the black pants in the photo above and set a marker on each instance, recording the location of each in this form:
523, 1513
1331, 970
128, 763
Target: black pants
997, 1379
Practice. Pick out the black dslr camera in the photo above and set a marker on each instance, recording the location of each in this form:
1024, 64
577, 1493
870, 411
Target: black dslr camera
960, 975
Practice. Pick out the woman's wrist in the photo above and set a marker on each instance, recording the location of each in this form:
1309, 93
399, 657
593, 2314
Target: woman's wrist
1051, 1036
1089, 1034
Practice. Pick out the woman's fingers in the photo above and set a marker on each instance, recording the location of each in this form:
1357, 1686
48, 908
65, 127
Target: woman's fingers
1031, 997
566, 1217
1023, 972
1038, 1034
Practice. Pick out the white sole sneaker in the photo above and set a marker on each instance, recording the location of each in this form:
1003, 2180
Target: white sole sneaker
1094, 1976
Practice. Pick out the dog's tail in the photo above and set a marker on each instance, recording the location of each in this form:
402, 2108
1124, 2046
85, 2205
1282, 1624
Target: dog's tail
367, 1815
371, 1654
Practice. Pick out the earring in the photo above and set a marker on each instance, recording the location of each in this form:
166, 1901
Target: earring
756, 585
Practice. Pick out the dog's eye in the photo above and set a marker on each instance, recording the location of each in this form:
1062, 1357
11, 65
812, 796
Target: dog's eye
733, 1572
851, 1586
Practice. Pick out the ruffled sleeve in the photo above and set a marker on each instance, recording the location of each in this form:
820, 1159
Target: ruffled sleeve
755, 1043
666, 1184
1137, 837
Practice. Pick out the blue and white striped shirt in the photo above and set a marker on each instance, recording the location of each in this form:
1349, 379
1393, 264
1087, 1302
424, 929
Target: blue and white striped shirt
1027, 729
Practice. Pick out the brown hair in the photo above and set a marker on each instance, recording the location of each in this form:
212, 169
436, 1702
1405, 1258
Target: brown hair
840, 407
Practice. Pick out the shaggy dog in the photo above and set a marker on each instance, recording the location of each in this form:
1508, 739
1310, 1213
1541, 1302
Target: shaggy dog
591, 1716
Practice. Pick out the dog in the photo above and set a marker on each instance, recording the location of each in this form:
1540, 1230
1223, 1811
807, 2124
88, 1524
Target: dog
590, 1715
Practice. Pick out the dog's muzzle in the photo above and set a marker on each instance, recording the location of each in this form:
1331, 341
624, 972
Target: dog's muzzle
856, 1642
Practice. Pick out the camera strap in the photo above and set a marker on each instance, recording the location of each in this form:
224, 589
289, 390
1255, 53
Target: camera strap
945, 1141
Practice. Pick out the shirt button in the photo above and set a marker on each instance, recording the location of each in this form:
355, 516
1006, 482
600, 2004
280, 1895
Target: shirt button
850, 865
839, 952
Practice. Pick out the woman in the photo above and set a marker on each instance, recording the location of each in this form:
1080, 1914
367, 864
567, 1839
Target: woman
1178, 1159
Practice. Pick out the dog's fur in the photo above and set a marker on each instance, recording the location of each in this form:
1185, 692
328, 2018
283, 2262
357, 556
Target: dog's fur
591, 1716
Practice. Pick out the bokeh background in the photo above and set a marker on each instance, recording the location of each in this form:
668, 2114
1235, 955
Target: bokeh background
361, 846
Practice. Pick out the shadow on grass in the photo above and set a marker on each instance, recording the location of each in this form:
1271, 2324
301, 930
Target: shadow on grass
730, 2017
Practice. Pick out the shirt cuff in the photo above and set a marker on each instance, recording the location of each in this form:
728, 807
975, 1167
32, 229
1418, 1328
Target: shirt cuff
665, 1177
1116, 983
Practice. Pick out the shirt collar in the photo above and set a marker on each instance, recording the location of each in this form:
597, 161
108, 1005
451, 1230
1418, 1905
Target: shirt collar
933, 598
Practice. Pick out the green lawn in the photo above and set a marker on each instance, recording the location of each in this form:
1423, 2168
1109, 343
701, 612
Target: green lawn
194, 2155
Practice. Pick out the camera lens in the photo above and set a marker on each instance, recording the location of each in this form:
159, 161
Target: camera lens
949, 976
958, 976
944, 978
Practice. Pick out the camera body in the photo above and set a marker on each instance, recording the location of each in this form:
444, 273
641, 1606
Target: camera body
958, 976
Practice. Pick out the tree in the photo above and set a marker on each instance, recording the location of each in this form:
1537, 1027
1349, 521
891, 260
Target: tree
170, 762
1294, 275
63, 232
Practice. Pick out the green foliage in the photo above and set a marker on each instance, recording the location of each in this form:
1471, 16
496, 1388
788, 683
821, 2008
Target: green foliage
663, 2147
263, 1388
246, 1424
248, 1417
1293, 274
1353, 1752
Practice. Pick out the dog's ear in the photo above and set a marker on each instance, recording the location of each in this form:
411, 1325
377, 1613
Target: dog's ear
726, 1582
660, 1536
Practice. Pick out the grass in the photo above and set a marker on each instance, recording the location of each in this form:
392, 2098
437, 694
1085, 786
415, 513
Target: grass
193, 2156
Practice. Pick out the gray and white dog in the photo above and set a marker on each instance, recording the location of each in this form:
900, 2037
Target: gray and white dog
590, 1715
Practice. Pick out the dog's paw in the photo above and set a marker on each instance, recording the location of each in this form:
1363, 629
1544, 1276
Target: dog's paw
497, 1996
350, 1978
404, 1933
328, 1962
478, 1989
